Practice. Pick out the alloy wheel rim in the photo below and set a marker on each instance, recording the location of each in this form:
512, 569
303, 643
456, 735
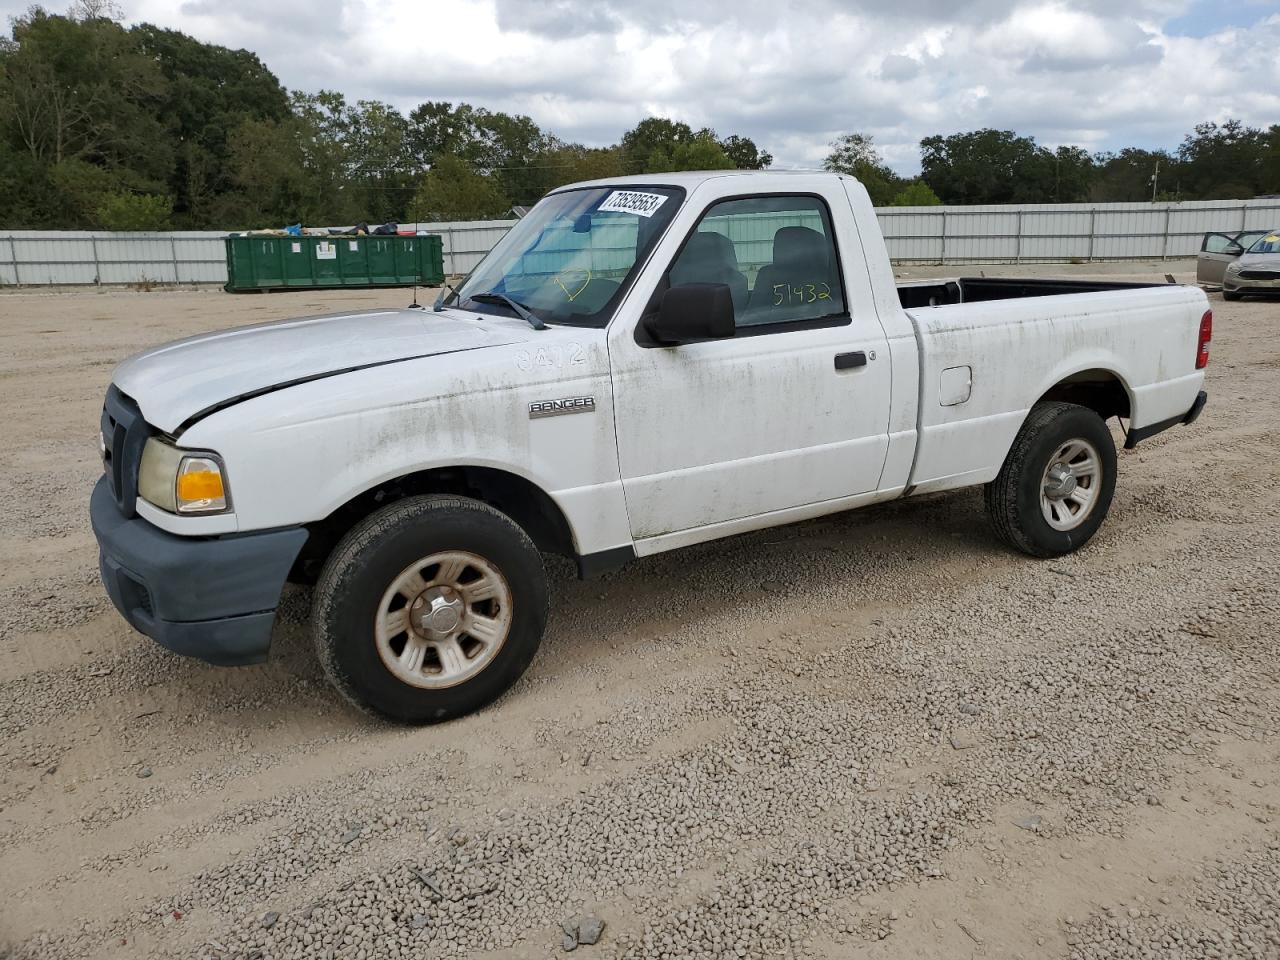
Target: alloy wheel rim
443, 619
1070, 485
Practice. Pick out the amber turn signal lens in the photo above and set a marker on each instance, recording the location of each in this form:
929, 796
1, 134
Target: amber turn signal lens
200, 486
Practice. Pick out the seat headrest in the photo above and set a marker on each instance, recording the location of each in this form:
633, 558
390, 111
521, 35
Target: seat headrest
706, 249
800, 247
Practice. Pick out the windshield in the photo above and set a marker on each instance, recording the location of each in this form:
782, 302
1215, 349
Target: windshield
572, 256
1268, 244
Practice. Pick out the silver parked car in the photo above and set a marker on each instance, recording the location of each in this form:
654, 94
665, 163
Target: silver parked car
1256, 270
1239, 262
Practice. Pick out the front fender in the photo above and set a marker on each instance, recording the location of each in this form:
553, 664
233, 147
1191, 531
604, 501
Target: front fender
296, 455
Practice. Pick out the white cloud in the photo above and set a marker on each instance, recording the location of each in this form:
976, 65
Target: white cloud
899, 67
792, 75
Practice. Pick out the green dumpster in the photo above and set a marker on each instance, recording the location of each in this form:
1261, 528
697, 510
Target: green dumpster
265, 262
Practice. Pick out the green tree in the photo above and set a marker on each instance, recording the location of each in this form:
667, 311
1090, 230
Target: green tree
572, 162
745, 154
1271, 161
1072, 174
95, 10
79, 91
649, 136
453, 190
507, 146
383, 175
131, 211
79, 188
268, 170
27, 197
1125, 176
662, 145
142, 111
703, 152
327, 162
978, 167
438, 128
915, 194
209, 91
323, 126
1225, 162
855, 154
998, 166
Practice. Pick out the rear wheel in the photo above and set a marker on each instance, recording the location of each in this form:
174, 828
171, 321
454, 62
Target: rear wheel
430, 608
1056, 484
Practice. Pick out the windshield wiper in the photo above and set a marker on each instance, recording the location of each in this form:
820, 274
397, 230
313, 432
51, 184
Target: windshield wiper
493, 296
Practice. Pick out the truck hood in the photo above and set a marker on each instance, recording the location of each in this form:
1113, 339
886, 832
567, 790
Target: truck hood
181, 382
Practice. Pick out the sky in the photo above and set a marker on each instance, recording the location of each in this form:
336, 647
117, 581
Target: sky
791, 74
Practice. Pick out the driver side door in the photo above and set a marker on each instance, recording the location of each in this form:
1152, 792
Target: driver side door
1216, 251
791, 412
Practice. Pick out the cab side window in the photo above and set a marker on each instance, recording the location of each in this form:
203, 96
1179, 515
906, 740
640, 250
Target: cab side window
776, 254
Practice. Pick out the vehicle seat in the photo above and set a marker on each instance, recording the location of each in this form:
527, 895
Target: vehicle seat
710, 258
801, 262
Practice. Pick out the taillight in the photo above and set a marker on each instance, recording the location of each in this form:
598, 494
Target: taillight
1206, 334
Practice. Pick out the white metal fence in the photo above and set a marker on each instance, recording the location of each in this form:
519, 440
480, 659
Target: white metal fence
44, 257
1008, 234
1066, 231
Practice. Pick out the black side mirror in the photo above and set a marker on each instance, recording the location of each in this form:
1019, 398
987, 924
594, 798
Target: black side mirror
1234, 249
693, 312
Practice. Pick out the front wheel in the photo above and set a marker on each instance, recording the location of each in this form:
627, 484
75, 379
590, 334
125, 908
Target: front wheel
1056, 484
430, 608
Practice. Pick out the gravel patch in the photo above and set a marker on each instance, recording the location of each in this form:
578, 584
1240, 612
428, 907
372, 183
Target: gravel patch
798, 743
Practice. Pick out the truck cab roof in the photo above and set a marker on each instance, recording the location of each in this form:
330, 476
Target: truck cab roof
689, 179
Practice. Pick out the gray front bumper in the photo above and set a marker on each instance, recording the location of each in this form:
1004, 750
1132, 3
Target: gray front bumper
213, 598
1239, 284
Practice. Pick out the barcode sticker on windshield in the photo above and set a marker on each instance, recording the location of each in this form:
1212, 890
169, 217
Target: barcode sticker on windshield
628, 201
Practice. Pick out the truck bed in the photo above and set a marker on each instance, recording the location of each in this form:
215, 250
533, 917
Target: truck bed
989, 351
938, 293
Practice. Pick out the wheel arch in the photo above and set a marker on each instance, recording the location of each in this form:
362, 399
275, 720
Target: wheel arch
1101, 389
518, 497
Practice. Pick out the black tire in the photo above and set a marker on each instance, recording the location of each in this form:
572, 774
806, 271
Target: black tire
1013, 497
1232, 294
367, 561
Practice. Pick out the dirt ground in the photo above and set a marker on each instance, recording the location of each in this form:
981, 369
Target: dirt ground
877, 735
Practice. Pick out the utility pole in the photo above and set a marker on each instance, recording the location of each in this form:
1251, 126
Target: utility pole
1155, 182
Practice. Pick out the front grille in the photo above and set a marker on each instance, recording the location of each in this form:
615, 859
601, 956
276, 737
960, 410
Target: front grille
1259, 275
124, 434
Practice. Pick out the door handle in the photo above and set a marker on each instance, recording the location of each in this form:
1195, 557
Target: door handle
847, 361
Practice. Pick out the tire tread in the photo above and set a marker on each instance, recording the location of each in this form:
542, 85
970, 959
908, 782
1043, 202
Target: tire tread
1001, 494
343, 562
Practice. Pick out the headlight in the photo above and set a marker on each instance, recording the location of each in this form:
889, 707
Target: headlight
1233, 266
181, 481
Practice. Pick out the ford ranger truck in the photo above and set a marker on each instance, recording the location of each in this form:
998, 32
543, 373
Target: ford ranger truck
640, 364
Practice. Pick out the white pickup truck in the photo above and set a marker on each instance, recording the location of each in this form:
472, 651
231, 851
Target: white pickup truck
640, 364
